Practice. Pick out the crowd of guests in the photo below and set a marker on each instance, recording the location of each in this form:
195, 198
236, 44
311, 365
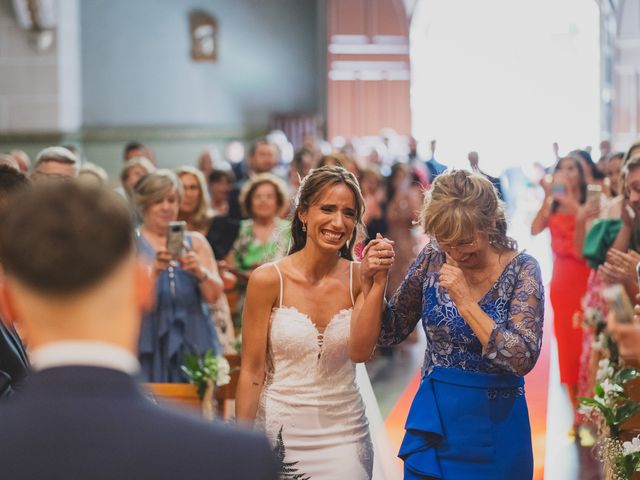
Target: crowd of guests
237, 217
256, 232
591, 210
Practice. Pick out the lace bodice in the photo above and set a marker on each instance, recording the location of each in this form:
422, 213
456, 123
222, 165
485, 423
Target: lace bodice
302, 357
310, 404
515, 302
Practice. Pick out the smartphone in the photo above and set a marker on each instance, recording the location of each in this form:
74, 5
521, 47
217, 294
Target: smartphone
638, 273
618, 300
175, 238
594, 194
558, 190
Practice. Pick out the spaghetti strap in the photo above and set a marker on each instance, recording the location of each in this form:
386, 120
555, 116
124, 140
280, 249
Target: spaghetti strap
353, 303
281, 282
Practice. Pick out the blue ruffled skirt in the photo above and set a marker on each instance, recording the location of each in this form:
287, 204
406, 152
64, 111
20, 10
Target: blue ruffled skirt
465, 425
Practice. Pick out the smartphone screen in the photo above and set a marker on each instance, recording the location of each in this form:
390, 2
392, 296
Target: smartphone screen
594, 194
175, 238
558, 190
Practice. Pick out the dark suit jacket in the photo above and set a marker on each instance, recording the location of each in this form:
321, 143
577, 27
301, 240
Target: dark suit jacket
86, 423
13, 361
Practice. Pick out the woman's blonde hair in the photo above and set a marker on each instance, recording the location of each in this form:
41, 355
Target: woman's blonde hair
141, 162
249, 188
460, 204
153, 187
203, 213
97, 171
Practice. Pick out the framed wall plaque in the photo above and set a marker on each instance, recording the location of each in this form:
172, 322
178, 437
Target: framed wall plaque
204, 37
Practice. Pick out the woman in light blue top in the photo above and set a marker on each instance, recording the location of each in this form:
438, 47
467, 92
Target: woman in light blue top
179, 323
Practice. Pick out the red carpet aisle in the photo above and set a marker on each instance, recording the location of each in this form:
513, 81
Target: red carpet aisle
536, 387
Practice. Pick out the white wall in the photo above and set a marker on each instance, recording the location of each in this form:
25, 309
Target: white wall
28, 79
137, 69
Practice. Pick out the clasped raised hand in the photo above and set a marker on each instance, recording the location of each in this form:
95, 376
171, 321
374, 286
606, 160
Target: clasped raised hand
378, 259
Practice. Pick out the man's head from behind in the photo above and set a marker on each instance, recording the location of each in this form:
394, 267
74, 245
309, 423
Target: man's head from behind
70, 268
55, 162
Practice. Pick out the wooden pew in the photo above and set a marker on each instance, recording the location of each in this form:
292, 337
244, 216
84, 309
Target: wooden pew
185, 395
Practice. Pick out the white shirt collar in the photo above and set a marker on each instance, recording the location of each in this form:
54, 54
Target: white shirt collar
84, 353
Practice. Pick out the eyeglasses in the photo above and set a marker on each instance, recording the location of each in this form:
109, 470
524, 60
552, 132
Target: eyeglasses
460, 247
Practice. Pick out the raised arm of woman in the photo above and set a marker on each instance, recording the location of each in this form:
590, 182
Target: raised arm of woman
623, 240
367, 314
262, 293
540, 221
207, 273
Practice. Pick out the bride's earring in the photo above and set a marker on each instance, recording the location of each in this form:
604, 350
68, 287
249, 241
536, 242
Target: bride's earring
304, 227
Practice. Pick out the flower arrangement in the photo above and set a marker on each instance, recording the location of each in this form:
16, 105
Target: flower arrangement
612, 408
629, 461
207, 372
609, 400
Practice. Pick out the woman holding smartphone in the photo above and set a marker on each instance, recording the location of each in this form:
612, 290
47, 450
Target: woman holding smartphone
563, 198
186, 281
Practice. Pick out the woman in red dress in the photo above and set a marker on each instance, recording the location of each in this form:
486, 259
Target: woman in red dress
563, 196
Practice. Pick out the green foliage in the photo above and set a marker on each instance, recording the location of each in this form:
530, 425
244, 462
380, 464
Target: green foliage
200, 370
610, 401
288, 470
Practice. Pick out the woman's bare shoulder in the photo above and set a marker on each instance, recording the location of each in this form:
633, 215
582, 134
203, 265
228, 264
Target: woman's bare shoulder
265, 276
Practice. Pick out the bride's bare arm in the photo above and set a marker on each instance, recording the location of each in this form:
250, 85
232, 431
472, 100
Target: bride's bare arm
262, 292
367, 313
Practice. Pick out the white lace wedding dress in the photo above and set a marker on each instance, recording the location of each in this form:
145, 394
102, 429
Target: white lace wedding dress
310, 404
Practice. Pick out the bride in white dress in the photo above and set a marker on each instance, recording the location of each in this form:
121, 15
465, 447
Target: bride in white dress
298, 380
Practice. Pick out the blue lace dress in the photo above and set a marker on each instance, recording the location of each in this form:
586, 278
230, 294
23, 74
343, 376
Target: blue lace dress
469, 417
179, 324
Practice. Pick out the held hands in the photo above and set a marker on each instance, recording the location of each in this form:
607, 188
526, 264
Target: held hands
162, 261
626, 335
453, 281
620, 267
378, 259
587, 211
191, 263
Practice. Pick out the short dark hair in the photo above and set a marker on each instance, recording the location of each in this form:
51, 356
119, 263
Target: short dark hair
257, 143
11, 182
61, 238
217, 175
132, 146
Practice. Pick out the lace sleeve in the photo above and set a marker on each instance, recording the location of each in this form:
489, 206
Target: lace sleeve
405, 307
515, 345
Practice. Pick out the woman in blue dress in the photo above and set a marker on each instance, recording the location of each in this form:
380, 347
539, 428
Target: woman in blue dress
180, 322
481, 304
